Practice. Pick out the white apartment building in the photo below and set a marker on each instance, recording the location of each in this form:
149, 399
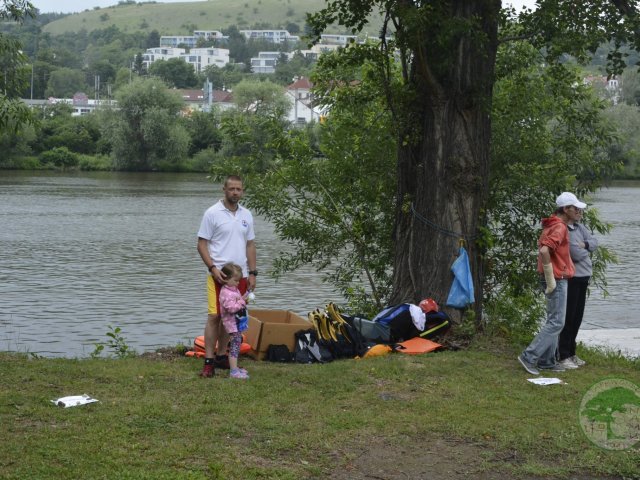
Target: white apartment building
199, 58
274, 36
334, 39
266, 62
190, 41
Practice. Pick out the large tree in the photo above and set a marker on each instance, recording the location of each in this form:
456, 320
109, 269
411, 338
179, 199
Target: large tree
441, 112
175, 72
144, 131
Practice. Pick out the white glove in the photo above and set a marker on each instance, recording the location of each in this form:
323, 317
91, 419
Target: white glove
548, 276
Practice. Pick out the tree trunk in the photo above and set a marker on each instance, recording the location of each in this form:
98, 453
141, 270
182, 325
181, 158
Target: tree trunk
443, 176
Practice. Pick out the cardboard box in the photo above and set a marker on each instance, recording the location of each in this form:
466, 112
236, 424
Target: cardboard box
272, 327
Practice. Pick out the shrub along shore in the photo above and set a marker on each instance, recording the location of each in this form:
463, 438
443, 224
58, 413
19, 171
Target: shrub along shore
452, 414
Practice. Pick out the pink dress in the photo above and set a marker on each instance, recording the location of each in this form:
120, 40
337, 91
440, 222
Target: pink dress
231, 301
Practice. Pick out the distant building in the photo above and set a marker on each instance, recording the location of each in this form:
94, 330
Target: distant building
80, 104
303, 110
222, 99
611, 86
193, 99
333, 39
199, 58
274, 36
266, 62
191, 41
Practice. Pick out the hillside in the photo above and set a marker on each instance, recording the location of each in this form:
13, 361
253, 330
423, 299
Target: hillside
183, 18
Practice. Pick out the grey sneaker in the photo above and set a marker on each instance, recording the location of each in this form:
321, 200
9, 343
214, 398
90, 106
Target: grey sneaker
554, 368
578, 361
529, 367
568, 364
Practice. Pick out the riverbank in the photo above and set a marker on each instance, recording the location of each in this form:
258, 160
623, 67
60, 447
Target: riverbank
625, 341
448, 415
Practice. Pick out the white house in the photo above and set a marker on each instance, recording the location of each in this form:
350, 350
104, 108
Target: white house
611, 86
303, 109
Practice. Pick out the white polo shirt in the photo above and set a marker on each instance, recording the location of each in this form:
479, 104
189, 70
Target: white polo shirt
227, 233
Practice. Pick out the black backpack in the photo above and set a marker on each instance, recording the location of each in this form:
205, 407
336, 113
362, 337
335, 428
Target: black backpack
278, 353
309, 350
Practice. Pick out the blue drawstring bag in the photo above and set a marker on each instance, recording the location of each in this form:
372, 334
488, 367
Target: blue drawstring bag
242, 320
461, 293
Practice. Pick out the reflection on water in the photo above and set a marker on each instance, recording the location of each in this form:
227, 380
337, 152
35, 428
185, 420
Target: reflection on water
618, 205
80, 252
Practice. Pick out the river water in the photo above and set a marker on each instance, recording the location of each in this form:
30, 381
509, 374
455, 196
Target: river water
80, 252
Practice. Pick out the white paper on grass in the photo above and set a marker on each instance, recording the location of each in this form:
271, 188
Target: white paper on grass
545, 381
73, 400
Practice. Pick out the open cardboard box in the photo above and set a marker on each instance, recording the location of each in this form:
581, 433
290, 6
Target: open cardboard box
272, 327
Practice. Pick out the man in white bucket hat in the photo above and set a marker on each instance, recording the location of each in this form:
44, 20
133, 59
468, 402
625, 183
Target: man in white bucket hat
556, 268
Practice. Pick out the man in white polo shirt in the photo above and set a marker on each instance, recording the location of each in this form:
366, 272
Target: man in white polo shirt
226, 235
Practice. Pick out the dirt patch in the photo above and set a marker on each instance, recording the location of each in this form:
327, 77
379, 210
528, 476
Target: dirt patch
442, 459
418, 459
163, 354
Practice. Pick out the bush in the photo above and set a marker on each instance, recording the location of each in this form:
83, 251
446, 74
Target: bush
202, 161
515, 316
60, 157
21, 163
94, 162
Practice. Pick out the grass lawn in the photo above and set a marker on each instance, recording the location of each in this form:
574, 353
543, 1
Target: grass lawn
446, 415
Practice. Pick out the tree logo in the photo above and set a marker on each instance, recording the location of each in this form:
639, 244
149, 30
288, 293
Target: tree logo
610, 414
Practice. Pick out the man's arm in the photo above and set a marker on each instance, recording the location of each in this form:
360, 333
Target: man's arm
203, 250
251, 263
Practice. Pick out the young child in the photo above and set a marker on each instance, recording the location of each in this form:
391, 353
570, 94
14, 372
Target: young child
231, 303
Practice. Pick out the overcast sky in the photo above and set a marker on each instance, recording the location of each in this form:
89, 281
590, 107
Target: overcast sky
70, 6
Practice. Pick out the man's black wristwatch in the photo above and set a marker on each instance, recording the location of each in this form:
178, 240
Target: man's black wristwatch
253, 272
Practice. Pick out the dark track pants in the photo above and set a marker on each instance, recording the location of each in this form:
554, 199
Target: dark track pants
576, 298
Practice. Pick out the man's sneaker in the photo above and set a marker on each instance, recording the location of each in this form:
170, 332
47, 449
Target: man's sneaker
238, 374
222, 362
568, 364
208, 371
578, 361
553, 368
529, 367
